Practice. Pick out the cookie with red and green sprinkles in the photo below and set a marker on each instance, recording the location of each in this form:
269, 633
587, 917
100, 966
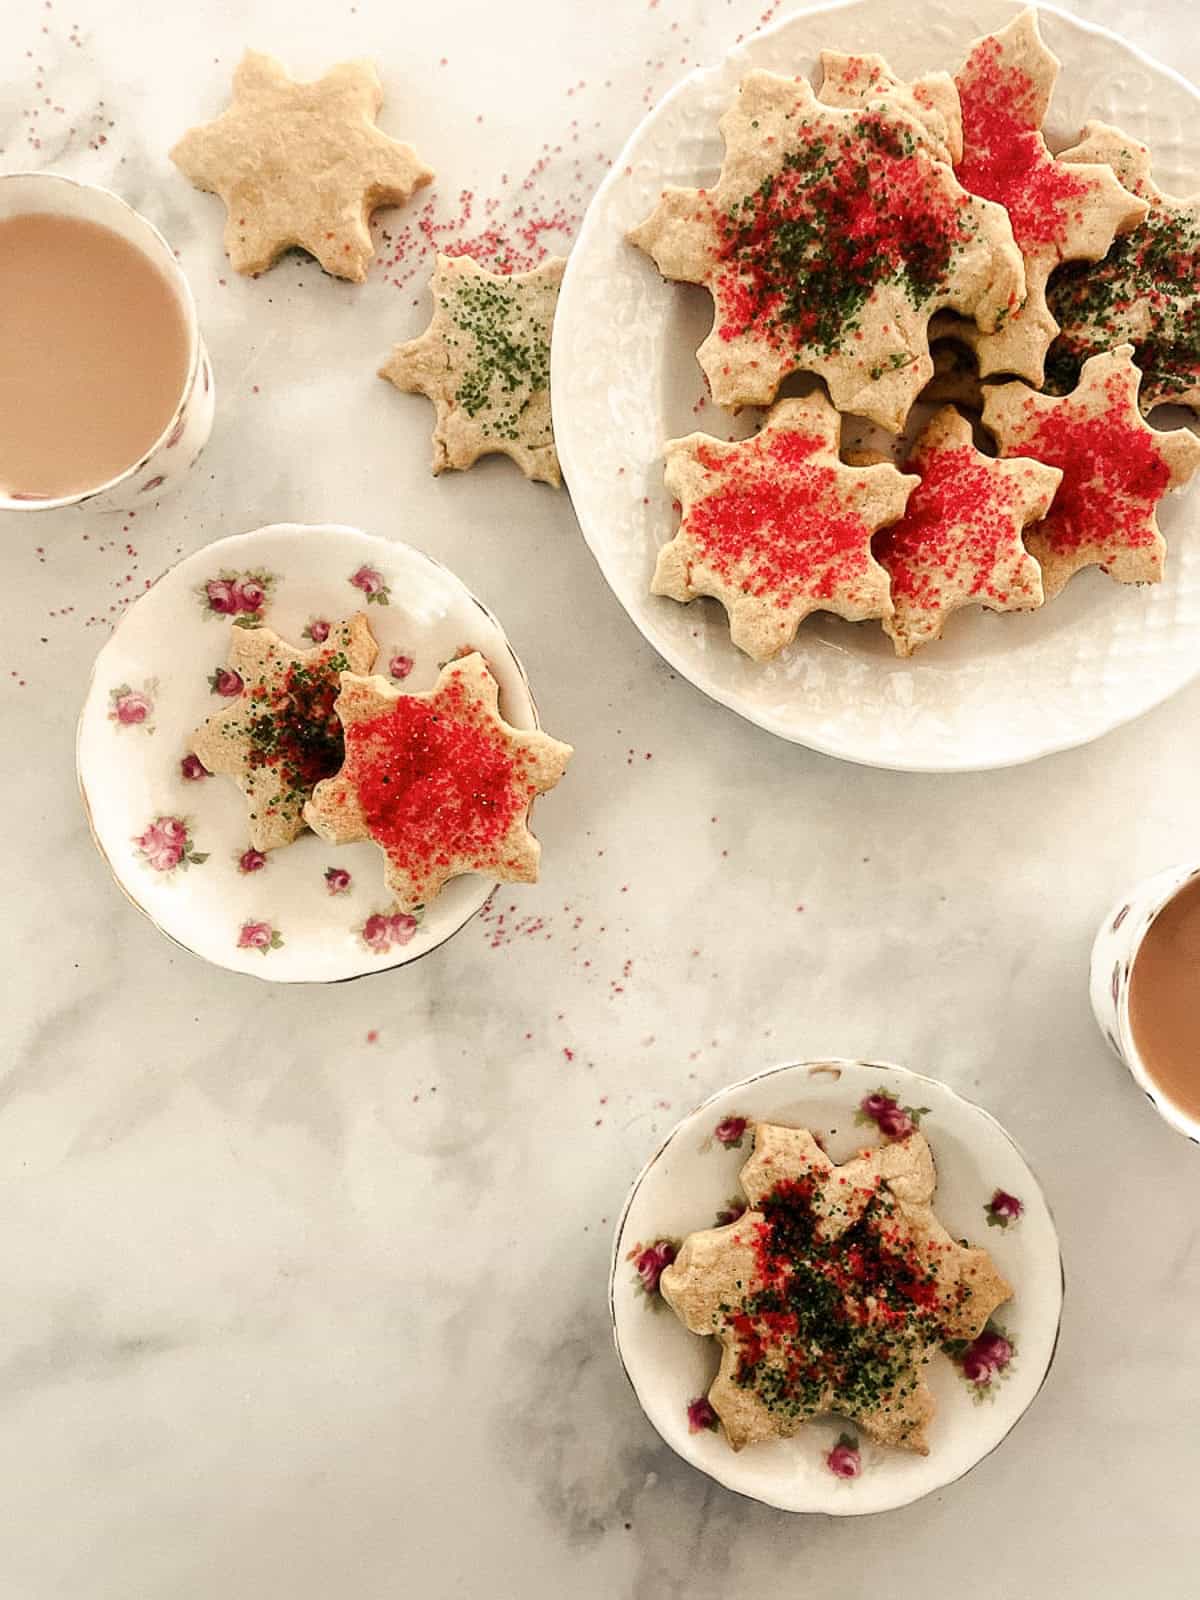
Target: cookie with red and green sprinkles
484, 361
1115, 467
829, 241
281, 735
959, 541
867, 80
832, 1292
1061, 208
1146, 291
439, 782
777, 526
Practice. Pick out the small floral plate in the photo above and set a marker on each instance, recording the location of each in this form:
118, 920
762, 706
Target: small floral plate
986, 1194
175, 837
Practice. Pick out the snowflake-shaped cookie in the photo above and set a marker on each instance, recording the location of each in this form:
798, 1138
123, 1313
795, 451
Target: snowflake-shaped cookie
484, 361
959, 540
1146, 291
776, 526
301, 164
831, 238
1115, 467
281, 735
867, 80
1061, 210
832, 1292
439, 781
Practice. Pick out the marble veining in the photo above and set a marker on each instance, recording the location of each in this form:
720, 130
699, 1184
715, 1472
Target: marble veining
305, 1289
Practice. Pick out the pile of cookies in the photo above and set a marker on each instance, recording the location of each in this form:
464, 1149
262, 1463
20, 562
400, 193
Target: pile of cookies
851, 227
439, 781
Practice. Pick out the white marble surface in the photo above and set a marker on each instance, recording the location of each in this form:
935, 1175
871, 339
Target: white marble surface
304, 1290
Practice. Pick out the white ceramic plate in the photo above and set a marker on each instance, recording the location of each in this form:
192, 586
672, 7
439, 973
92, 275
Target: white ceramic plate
998, 689
694, 1176
176, 844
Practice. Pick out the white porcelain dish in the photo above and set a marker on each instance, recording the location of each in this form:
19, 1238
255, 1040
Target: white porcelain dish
177, 844
694, 1176
998, 690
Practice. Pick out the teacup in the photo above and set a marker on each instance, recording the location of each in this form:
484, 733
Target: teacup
1114, 953
160, 467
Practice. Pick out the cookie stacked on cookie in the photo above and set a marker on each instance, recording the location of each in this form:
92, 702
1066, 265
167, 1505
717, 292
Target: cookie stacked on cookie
440, 782
851, 225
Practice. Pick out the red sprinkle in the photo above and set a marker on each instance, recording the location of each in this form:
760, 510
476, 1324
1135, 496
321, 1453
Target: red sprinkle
1005, 157
779, 523
436, 780
1113, 473
958, 525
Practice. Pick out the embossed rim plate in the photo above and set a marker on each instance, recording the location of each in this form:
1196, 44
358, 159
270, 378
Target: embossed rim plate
691, 1177
129, 773
998, 690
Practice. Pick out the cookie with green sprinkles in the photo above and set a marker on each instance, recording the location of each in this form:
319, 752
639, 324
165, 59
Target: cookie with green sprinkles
1146, 291
829, 241
832, 1292
281, 735
1062, 208
867, 80
484, 361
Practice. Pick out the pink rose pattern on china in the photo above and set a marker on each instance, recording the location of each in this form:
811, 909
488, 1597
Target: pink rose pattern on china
337, 880
373, 584
251, 860
133, 708
701, 1416
385, 930
237, 595
1003, 1209
317, 630
400, 666
167, 845
259, 936
192, 769
845, 1459
893, 1120
730, 1132
226, 682
650, 1261
985, 1361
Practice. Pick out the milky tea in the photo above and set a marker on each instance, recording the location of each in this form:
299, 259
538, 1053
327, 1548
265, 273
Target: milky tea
1164, 999
94, 355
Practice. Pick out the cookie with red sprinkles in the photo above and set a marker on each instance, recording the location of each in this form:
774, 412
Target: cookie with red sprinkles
832, 1292
439, 781
281, 735
1115, 467
777, 526
1062, 209
1146, 291
301, 164
959, 541
866, 80
484, 361
829, 241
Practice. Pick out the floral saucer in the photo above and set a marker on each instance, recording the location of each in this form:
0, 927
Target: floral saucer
986, 1194
175, 837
